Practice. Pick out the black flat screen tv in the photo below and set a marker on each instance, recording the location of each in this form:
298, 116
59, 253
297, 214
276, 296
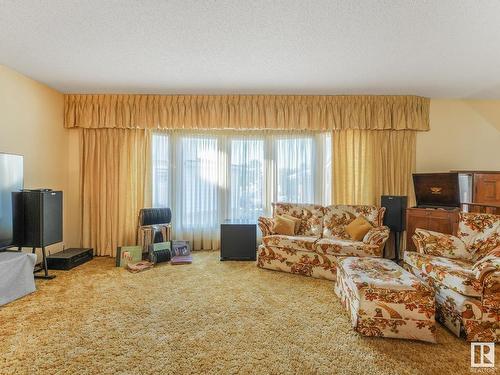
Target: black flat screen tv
437, 189
11, 180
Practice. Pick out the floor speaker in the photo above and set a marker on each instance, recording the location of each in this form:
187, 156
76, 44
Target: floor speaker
395, 209
38, 221
38, 218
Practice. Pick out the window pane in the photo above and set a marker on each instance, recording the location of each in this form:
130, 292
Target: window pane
198, 184
247, 179
294, 168
161, 170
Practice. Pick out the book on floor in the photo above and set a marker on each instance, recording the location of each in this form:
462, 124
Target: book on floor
128, 254
181, 252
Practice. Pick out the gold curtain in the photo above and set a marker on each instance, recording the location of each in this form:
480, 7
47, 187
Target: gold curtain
371, 163
374, 145
115, 172
280, 112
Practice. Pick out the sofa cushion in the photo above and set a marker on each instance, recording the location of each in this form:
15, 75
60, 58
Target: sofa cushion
283, 225
456, 274
454, 309
440, 244
358, 228
337, 217
303, 243
311, 216
339, 246
295, 220
480, 232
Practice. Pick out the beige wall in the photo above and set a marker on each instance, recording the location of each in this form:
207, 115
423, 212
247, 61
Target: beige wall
31, 124
465, 134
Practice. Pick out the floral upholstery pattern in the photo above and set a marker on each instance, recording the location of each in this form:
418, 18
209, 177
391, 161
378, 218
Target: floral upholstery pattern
467, 283
337, 217
384, 300
439, 244
456, 274
266, 225
335, 246
491, 292
303, 243
299, 262
311, 239
490, 263
310, 214
463, 315
480, 232
377, 236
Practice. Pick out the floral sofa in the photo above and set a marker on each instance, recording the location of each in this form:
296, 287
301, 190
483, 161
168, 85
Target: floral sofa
320, 240
464, 270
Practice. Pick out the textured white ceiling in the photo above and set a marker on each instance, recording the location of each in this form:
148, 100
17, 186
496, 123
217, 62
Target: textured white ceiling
441, 48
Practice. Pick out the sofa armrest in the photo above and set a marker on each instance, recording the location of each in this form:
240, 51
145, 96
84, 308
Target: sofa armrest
377, 236
491, 290
440, 244
266, 225
487, 264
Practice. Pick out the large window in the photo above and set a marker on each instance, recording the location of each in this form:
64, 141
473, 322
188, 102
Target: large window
207, 179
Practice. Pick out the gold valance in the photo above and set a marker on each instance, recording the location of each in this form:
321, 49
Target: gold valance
280, 112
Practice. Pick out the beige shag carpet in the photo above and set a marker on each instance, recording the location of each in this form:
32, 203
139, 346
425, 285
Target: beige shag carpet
210, 317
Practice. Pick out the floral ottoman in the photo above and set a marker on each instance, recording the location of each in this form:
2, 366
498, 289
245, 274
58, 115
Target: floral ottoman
385, 300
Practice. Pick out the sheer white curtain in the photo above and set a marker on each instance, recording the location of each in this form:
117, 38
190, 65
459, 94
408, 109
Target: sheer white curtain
197, 181
294, 159
208, 178
161, 169
247, 179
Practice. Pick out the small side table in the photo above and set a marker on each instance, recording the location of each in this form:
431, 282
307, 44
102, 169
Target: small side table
238, 240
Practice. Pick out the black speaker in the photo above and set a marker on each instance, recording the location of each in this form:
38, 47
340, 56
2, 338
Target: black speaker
238, 241
395, 207
38, 218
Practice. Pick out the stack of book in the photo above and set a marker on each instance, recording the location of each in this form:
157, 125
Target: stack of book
181, 253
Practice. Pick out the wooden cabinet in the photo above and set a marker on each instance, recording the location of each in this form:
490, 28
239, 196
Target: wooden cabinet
480, 191
435, 219
487, 188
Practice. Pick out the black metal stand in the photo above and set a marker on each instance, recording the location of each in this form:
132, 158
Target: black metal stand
43, 267
397, 237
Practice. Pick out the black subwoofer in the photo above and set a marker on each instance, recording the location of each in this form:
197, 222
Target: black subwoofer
395, 209
238, 241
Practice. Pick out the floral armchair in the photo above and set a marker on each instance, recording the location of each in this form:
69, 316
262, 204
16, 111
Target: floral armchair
320, 239
465, 272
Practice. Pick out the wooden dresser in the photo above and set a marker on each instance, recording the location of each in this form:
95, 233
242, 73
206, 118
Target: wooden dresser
435, 219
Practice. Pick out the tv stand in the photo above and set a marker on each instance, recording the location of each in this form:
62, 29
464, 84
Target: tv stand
43, 267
